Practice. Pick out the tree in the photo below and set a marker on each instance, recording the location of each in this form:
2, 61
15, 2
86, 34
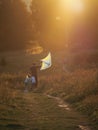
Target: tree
43, 17
15, 25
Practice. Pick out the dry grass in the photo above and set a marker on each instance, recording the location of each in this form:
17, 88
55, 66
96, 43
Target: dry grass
79, 87
8, 84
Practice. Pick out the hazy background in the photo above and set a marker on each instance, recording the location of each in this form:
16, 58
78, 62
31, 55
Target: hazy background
52, 23
60, 25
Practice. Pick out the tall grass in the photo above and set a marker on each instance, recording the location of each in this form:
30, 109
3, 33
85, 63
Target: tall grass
8, 84
80, 88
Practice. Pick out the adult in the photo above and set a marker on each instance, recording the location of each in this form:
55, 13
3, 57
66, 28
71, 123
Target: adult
33, 71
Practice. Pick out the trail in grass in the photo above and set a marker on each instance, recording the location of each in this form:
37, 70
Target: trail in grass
66, 106
34, 111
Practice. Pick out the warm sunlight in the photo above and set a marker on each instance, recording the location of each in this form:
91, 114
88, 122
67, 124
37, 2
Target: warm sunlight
58, 18
48, 64
28, 2
72, 5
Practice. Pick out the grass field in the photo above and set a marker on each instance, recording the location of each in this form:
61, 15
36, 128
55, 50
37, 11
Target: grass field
79, 87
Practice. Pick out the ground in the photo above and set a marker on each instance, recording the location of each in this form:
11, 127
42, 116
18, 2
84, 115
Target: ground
35, 111
76, 85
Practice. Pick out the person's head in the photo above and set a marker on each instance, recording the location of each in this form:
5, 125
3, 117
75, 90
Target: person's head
29, 75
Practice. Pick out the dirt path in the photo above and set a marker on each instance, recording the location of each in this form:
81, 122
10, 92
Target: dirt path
34, 111
67, 107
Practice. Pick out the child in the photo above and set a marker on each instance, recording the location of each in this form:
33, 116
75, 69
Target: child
30, 81
33, 82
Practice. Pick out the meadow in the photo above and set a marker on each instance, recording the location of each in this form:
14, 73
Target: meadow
78, 87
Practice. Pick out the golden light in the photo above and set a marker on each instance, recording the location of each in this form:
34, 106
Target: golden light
58, 18
28, 3
74, 6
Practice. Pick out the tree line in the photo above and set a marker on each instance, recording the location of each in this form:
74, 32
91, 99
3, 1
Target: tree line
15, 25
18, 26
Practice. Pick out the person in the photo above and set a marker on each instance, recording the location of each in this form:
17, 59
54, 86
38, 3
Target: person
30, 82
33, 82
27, 82
33, 72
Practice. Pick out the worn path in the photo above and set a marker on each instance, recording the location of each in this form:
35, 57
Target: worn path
33, 111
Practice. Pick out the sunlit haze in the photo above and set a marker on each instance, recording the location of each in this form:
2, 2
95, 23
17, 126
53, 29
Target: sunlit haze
72, 5
60, 21
28, 2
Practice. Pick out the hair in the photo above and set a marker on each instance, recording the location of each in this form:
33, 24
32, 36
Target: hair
29, 75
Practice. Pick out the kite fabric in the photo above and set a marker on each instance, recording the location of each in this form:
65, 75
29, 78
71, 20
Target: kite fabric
46, 62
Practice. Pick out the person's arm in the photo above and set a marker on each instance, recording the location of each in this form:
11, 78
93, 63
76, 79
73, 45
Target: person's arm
38, 66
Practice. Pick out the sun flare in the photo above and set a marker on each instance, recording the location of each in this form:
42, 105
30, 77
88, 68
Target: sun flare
72, 5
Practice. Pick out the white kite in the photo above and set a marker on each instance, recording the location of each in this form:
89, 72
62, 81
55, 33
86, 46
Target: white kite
46, 62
